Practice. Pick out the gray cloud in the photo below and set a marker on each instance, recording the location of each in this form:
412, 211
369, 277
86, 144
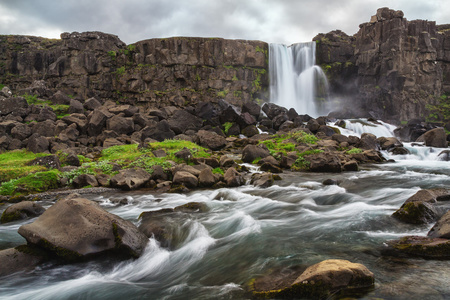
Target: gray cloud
282, 21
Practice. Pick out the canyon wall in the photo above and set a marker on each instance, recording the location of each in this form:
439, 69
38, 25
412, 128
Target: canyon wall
394, 69
152, 73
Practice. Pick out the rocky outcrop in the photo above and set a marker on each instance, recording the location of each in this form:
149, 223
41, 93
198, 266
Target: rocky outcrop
155, 73
397, 69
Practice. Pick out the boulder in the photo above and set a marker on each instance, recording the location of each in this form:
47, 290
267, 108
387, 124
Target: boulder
211, 140
262, 180
97, 121
252, 108
418, 209
12, 104
186, 179
21, 258
324, 162
226, 162
272, 110
252, 152
130, 179
160, 132
184, 154
46, 113
120, 125
75, 107
181, 121
206, 178
233, 178
91, 104
250, 131
85, 180
269, 167
37, 144
75, 228
21, 132
60, 98
22, 210
368, 142
434, 138
387, 143
442, 228
321, 281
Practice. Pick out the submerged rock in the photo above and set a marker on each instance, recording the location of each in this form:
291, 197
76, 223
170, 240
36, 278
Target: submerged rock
427, 247
319, 281
20, 258
75, 228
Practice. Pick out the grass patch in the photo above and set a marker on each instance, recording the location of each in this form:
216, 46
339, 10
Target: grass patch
218, 171
301, 163
13, 164
354, 151
32, 183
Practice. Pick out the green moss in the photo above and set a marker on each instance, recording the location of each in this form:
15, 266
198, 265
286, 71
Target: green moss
223, 94
10, 217
112, 54
227, 126
13, 164
63, 253
32, 183
117, 237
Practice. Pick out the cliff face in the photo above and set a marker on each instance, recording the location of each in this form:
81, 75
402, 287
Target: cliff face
401, 67
154, 73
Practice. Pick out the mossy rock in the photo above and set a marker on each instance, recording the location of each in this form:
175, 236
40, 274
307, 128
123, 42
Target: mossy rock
416, 212
320, 281
436, 248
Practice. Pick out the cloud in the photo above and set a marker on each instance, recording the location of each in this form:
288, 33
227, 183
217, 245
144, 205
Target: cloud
283, 21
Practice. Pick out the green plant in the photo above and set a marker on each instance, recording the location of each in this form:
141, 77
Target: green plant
14, 164
303, 137
227, 126
234, 78
222, 94
197, 77
112, 54
120, 71
354, 151
217, 171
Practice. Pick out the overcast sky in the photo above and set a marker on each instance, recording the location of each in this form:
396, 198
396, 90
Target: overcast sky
273, 21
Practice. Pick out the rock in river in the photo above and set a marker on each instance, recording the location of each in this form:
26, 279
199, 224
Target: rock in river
74, 228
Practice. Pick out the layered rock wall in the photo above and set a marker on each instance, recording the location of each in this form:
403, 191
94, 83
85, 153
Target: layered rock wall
154, 73
401, 66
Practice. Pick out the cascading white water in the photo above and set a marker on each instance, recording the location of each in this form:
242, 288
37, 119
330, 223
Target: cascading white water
295, 81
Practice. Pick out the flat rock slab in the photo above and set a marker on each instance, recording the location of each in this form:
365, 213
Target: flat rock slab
422, 246
74, 228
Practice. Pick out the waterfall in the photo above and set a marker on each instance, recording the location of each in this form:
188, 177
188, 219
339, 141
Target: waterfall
295, 81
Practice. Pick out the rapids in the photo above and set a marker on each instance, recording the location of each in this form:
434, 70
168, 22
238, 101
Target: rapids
249, 231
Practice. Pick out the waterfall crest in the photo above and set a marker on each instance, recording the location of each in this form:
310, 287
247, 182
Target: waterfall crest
295, 81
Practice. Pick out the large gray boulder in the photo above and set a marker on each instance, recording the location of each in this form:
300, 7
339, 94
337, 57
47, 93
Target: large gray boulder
185, 178
74, 228
22, 210
434, 138
130, 179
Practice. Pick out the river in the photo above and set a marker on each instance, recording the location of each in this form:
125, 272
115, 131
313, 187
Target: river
250, 231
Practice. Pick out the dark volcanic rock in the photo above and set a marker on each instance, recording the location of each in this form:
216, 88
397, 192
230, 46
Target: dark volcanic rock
130, 179
211, 140
252, 152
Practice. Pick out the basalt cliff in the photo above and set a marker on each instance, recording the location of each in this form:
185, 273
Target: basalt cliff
392, 69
